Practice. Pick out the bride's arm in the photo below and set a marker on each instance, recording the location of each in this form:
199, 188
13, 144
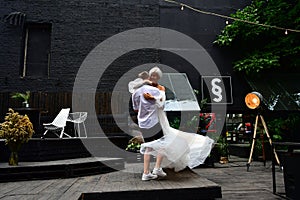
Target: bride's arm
137, 83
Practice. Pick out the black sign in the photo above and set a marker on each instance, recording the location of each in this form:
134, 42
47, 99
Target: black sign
217, 89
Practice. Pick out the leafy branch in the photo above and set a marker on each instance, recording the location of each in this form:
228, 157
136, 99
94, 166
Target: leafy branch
260, 48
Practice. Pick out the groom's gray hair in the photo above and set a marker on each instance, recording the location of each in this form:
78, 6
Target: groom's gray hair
156, 70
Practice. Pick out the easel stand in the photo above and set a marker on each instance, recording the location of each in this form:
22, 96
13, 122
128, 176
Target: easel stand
254, 139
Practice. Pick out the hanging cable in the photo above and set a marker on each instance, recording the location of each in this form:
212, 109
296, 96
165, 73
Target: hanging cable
286, 30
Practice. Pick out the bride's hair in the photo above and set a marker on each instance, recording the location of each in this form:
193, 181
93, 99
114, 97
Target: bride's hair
155, 70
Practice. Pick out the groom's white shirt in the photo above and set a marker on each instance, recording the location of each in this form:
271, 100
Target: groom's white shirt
147, 115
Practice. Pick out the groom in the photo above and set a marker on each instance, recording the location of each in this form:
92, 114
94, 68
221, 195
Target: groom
144, 102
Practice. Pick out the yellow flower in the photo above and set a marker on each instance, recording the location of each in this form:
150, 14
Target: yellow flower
16, 128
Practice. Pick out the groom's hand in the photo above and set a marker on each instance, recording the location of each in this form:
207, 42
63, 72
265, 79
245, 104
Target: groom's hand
148, 96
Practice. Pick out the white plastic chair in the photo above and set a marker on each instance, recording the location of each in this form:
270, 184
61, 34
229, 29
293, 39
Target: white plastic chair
78, 118
58, 123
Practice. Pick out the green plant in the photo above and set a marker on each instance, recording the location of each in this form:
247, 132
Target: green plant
22, 96
222, 146
175, 123
277, 128
258, 147
134, 144
259, 48
284, 129
197, 123
257, 62
133, 147
203, 103
191, 125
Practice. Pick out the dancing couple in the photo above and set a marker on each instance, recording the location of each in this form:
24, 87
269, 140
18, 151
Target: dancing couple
171, 147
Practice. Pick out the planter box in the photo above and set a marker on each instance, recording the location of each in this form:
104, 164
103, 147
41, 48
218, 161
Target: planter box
291, 172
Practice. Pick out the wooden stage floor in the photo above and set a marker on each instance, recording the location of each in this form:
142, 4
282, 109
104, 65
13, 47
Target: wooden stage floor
231, 180
183, 185
124, 184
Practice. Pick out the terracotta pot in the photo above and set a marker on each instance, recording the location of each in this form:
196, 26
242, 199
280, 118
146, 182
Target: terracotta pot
223, 160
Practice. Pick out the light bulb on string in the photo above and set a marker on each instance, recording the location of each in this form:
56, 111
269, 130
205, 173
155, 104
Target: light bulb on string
229, 17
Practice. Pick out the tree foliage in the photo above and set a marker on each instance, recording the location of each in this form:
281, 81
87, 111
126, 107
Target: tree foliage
259, 47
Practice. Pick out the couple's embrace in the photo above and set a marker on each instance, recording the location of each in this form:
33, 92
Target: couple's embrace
173, 148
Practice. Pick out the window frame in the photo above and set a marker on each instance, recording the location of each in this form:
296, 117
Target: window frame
24, 67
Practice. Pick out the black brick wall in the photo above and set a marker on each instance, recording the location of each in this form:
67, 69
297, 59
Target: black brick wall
204, 29
77, 27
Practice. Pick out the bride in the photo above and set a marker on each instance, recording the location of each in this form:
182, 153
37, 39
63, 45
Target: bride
180, 149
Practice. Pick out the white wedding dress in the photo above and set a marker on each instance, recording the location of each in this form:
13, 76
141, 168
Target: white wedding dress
180, 149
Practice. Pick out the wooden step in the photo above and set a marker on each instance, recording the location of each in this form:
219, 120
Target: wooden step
67, 148
59, 169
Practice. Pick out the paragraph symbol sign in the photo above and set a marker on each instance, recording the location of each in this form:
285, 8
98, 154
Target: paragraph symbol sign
217, 89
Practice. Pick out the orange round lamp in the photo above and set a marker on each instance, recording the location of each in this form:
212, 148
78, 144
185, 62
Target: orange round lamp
253, 100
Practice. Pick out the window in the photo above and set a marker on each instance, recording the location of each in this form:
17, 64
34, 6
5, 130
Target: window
181, 92
36, 56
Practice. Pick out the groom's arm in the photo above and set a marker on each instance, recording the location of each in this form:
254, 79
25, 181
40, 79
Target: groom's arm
148, 96
135, 101
156, 96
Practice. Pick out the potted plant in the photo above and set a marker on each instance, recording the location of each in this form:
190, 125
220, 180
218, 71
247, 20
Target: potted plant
134, 144
22, 96
287, 130
16, 130
222, 147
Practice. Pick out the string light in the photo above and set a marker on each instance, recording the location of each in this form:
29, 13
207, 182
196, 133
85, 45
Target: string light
232, 18
227, 22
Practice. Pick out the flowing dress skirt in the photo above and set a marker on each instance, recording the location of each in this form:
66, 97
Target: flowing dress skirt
180, 149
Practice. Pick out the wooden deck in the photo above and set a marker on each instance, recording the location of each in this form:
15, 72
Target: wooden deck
124, 184
233, 179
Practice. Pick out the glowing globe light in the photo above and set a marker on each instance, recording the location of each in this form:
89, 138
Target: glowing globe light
253, 100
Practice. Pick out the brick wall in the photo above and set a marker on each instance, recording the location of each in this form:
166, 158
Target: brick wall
77, 27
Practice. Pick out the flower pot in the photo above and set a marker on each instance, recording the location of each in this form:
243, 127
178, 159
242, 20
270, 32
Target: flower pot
25, 105
13, 158
14, 147
290, 162
223, 160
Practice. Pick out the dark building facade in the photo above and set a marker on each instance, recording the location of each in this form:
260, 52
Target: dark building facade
44, 43
75, 28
